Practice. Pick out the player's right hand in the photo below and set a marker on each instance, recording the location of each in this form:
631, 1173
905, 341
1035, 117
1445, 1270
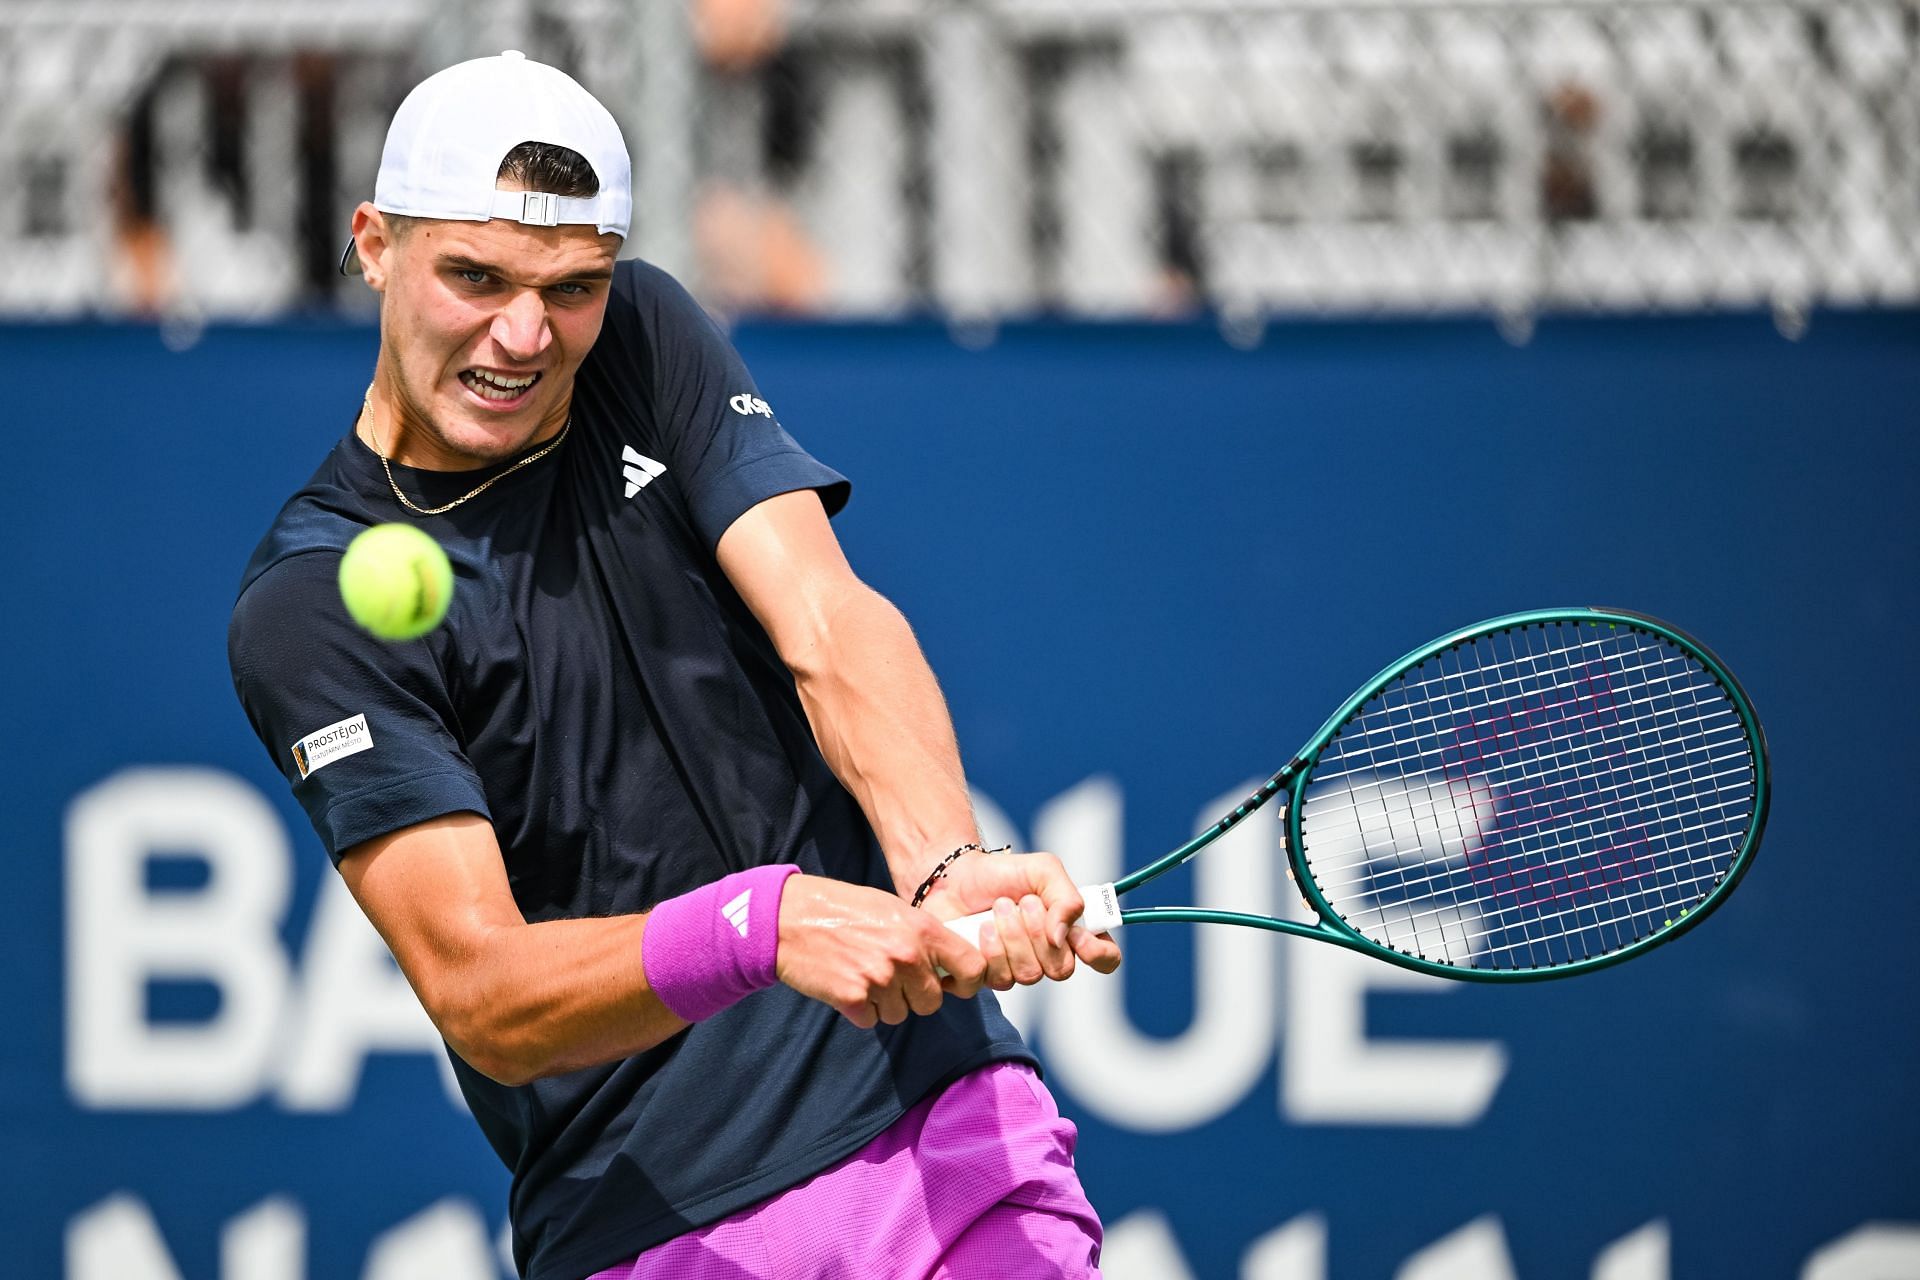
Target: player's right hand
868, 954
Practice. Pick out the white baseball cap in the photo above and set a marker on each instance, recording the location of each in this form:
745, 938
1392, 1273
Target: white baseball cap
446, 142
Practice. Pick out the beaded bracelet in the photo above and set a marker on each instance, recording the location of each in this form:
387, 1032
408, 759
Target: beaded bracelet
940, 868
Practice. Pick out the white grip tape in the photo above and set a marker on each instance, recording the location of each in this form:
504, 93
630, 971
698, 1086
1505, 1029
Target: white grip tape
1103, 908
1102, 914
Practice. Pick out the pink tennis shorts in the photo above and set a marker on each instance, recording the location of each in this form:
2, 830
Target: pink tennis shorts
976, 1181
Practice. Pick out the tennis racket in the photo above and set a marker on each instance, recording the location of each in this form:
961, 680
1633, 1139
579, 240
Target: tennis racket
1543, 794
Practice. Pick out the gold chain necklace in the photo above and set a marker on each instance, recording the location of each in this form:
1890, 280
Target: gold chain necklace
366, 410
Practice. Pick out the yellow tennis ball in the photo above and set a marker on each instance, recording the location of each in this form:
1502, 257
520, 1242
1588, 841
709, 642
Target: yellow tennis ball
396, 581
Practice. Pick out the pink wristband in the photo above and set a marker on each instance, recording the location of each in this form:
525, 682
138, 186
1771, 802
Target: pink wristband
706, 949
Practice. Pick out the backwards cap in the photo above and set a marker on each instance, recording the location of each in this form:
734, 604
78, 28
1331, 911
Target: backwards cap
448, 138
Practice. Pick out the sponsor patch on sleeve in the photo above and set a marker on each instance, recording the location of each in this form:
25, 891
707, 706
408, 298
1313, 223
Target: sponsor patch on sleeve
335, 742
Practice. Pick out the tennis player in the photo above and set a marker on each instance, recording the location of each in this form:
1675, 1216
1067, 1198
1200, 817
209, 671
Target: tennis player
663, 822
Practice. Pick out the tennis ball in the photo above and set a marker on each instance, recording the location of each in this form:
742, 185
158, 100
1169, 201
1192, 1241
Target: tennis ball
396, 581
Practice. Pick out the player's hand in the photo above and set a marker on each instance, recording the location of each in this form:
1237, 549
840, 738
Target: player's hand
868, 954
1035, 905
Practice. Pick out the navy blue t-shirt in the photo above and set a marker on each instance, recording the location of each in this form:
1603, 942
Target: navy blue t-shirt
601, 693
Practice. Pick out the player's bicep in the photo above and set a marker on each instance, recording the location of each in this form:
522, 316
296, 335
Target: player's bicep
783, 558
437, 892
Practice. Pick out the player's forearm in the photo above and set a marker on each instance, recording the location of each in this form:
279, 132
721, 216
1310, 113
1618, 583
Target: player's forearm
520, 1001
537, 1000
883, 726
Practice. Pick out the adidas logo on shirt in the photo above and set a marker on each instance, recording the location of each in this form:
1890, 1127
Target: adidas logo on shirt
736, 912
640, 471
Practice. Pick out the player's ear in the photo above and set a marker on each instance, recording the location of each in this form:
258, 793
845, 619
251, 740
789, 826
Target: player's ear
373, 239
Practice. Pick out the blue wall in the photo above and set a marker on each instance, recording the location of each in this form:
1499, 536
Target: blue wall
1145, 565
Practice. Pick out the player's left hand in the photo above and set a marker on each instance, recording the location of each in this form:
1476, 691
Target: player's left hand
1035, 906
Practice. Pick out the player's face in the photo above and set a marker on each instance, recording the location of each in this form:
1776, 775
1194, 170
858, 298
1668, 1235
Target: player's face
482, 327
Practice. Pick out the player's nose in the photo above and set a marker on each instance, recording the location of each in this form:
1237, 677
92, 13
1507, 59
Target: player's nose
520, 326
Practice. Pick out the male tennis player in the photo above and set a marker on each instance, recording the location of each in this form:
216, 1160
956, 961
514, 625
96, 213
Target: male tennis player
645, 820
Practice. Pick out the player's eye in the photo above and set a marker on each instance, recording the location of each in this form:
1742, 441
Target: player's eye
471, 275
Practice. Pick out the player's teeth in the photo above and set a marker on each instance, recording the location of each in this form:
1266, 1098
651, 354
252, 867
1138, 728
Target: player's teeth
494, 387
501, 381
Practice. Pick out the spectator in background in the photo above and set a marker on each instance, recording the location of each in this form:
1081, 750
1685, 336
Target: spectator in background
754, 255
1567, 191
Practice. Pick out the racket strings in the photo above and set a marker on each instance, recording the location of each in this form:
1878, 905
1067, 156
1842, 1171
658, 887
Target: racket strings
1456, 927
1533, 877
1420, 911
1434, 881
1548, 770
1435, 702
1713, 717
1532, 797
1720, 746
1550, 925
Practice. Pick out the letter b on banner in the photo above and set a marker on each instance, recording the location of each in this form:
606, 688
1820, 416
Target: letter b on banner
120, 937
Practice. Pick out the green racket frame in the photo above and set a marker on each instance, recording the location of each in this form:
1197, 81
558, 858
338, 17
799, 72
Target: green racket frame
1295, 777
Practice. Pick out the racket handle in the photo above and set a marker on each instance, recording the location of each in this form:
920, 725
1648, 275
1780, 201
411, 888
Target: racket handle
1101, 916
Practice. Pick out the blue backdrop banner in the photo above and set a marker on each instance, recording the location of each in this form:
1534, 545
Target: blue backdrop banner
1145, 564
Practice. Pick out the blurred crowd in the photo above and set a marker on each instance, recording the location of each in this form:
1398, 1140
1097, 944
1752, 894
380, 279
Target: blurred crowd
1084, 157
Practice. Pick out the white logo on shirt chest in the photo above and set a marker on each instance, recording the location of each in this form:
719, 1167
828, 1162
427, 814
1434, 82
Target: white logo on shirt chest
640, 470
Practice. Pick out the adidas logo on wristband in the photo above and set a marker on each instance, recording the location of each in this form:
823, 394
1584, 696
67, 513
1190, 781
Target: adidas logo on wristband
736, 912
